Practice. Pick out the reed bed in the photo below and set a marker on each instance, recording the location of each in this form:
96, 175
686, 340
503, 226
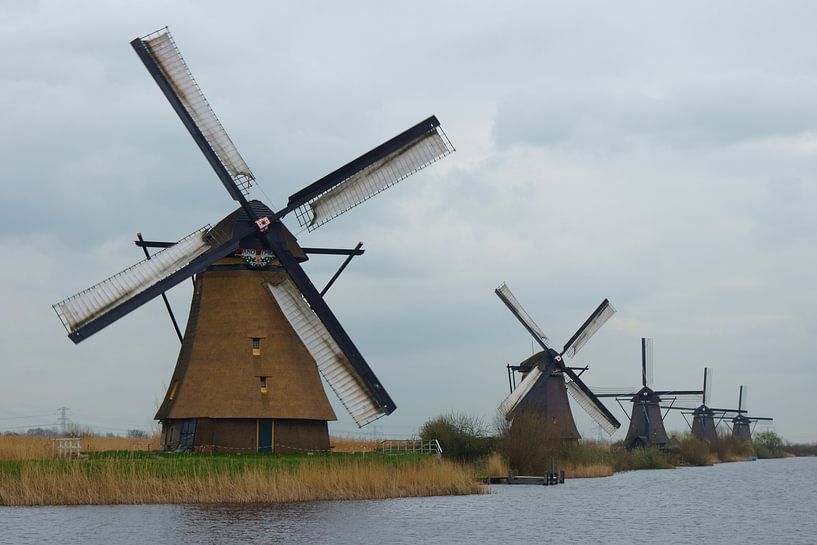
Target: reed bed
353, 444
26, 447
496, 466
228, 479
587, 471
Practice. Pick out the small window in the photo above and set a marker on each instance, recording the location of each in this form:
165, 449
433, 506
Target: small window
262, 382
173, 390
256, 346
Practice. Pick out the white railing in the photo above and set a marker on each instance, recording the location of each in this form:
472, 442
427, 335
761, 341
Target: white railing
409, 446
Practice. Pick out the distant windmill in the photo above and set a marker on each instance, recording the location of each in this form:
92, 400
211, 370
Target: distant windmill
703, 425
546, 379
646, 421
742, 423
259, 331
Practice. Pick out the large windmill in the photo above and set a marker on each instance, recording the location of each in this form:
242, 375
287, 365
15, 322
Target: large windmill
646, 420
547, 379
259, 331
742, 427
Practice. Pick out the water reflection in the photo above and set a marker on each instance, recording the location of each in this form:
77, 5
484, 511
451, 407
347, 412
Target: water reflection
766, 501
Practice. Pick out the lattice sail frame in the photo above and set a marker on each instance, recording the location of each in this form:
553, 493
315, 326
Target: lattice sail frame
510, 403
647, 361
590, 329
507, 297
586, 403
89, 304
332, 363
374, 178
167, 55
707, 395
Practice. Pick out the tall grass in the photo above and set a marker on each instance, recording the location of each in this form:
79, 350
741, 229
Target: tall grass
353, 444
25, 447
643, 458
132, 479
727, 448
587, 471
493, 465
693, 451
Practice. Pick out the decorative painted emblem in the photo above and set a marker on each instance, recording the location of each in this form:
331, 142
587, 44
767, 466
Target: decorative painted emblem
262, 223
256, 258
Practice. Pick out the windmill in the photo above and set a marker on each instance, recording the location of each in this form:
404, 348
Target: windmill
703, 416
547, 379
646, 421
742, 423
259, 332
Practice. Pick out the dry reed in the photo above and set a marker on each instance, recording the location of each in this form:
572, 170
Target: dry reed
167, 480
353, 444
587, 471
26, 447
496, 466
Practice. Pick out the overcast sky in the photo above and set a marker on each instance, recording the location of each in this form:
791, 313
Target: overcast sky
660, 156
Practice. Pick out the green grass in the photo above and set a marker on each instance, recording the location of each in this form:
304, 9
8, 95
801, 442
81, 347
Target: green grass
169, 465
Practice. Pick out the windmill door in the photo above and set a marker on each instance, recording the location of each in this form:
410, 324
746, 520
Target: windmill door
188, 434
265, 435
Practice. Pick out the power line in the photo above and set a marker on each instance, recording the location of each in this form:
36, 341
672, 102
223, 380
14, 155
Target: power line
25, 416
29, 426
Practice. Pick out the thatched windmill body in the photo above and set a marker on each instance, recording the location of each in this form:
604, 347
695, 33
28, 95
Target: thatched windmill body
546, 379
259, 334
646, 417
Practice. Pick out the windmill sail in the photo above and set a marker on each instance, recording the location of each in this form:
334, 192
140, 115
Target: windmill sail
510, 403
80, 310
163, 60
352, 390
685, 396
646, 362
589, 406
370, 174
504, 293
589, 401
707, 395
742, 399
603, 313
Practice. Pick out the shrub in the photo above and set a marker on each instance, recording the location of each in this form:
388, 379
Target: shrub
642, 458
461, 436
693, 451
730, 448
801, 449
530, 443
768, 444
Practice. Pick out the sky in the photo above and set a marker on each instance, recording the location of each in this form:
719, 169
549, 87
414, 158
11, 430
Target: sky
661, 155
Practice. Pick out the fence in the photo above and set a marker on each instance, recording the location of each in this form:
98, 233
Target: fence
409, 446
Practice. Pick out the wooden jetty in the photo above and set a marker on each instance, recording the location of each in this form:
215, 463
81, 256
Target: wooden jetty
548, 479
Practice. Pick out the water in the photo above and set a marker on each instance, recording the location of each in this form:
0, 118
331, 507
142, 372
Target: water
772, 501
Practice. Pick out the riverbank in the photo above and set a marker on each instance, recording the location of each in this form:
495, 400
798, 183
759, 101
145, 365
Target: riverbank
133, 478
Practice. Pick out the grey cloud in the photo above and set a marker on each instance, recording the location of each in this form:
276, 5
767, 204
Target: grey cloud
704, 115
